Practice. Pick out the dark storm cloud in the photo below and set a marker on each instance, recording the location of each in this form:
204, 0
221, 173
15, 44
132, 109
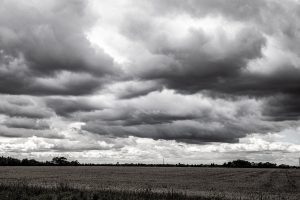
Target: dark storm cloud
283, 107
42, 41
23, 116
186, 118
67, 106
125, 118
194, 71
188, 131
133, 88
22, 107
282, 81
135, 92
26, 123
11, 132
198, 61
174, 131
213, 61
66, 84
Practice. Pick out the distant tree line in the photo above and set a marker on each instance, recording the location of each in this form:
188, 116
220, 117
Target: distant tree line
62, 161
247, 164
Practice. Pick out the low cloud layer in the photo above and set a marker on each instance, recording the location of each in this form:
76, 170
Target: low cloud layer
88, 78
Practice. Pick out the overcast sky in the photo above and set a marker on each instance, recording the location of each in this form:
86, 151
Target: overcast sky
194, 81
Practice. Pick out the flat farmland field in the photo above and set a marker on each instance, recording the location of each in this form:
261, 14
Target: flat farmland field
224, 183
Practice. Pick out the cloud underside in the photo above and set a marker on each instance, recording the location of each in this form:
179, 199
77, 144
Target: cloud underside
196, 72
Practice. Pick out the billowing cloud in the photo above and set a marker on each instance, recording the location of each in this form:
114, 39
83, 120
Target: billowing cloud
44, 50
142, 80
21, 106
25, 132
282, 107
66, 106
224, 47
26, 123
188, 118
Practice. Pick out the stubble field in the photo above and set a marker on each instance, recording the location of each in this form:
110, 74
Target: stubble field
224, 183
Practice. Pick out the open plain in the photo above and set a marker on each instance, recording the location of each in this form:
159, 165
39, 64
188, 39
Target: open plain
231, 183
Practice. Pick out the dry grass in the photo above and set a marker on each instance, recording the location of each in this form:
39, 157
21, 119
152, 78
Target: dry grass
206, 182
21, 191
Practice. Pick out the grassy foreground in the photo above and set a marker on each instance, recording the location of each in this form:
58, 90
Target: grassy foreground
104, 182
21, 191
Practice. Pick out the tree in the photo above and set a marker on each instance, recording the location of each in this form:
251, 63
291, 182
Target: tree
75, 163
60, 161
9, 161
241, 163
30, 162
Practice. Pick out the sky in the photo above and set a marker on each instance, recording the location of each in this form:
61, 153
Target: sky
195, 81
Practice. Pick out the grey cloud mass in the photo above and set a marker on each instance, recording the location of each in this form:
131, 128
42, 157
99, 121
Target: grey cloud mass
23, 107
196, 119
67, 106
113, 78
26, 123
12, 132
216, 61
44, 50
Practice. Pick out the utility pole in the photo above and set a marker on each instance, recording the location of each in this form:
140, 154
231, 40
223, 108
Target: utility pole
164, 160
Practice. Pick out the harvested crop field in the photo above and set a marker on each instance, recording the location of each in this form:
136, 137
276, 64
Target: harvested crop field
232, 183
